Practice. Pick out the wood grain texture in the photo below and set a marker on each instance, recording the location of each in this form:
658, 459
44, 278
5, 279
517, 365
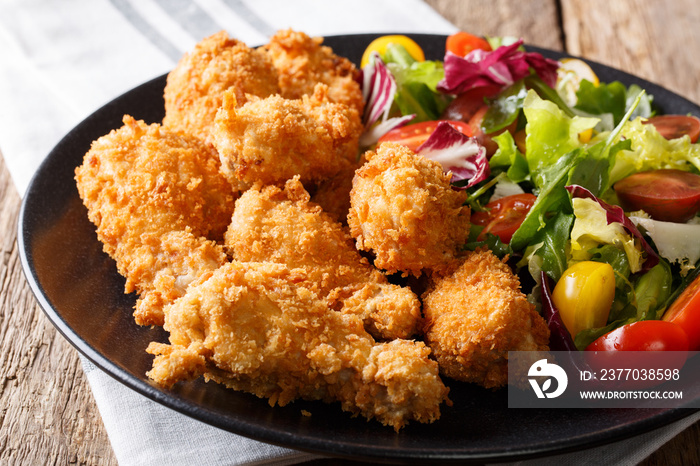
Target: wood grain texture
48, 415
536, 21
656, 40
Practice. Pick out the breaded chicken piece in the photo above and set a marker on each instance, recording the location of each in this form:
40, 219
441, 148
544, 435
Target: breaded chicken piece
271, 140
403, 209
475, 315
255, 327
302, 62
195, 87
155, 197
333, 194
282, 226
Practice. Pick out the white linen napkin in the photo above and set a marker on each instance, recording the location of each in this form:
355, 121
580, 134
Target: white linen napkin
60, 61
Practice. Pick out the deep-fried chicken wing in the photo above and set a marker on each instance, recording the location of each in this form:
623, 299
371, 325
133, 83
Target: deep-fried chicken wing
282, 226
302, 62
270, 140
475, 315
255, 327
154, 197
403, 209
195, 87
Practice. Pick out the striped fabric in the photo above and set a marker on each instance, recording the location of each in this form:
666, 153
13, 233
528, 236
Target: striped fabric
61, 60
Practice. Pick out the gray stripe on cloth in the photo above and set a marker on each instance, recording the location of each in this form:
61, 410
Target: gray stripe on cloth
191, 17
146, 30
250, 17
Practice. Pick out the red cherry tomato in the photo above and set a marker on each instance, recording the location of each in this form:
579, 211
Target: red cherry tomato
503, 216
461, 43
646, 335
412, 136
676, 126
685, 312
669, 195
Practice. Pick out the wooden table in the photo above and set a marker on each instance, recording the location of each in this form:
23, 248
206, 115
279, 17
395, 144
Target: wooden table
48, 413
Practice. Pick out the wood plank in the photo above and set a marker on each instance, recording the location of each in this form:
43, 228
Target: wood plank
49, 415
655, 40
534, 20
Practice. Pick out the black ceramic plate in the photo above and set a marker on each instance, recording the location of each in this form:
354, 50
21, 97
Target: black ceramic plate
78, 287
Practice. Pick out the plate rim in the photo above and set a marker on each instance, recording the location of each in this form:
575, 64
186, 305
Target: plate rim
252, 430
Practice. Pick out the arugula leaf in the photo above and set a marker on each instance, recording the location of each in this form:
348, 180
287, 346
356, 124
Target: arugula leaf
553, 239
612, 98
492, 242
552, 197
592, 170
504, 109
603, 98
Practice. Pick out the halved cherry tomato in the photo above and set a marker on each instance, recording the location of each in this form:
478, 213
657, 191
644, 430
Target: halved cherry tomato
503, 216
461, 43
676, 126
646, 335
412, 136
685, 312
380, 44
669, 195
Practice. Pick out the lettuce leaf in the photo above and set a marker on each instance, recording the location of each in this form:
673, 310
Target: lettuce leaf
618, 229
550, 134
416, 84
650, 151
509, 158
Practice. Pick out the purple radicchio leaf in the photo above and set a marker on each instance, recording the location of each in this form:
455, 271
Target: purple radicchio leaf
559, 337
378, 91
501, 67
615, 213
457, 153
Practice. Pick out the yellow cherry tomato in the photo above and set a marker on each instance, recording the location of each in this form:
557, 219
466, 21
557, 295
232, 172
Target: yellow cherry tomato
584, 294
380, 43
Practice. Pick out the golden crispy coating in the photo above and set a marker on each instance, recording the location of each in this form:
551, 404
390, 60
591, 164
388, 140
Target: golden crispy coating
255, 327
155, 196
302, 62
403, 209
271, 140
195, 87
282, 226
333, 194
475, 315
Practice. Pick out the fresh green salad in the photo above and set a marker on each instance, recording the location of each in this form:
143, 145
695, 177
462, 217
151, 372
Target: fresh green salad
591, 194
